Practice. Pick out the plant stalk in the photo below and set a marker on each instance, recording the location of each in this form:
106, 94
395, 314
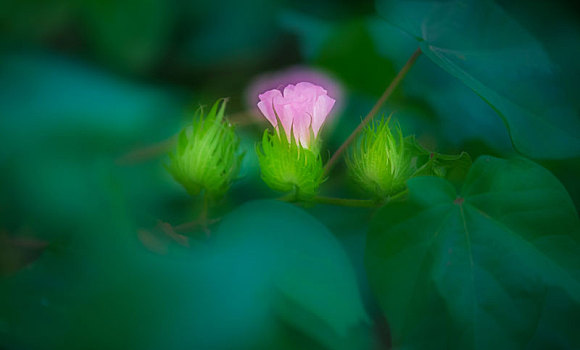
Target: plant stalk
347, 202
392, 86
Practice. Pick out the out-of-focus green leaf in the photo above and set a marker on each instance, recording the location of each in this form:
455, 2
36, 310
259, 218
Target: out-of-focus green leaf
492, 267
476, 42
271, 277
228, 32
349, 53
63, 124
131, 34
312, 32
46, 96
33, 20
556, 25
313, 283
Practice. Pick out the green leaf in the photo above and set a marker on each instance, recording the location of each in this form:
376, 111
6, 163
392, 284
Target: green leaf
130, 34
271, 277
34, 21
350, 54
461, 115
493, 267
63, 125
51, 97
479, 44
312, 32
313, 281
216, 45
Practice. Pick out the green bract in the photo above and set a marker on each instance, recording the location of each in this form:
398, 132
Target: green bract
206, 156
287, 166
379, 163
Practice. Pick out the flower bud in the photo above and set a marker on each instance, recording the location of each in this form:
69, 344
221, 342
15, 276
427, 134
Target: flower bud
289, 167
206, 157
379, 163
289, 157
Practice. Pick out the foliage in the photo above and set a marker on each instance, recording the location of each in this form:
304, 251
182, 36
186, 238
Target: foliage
493, 266
478, 43
245, 287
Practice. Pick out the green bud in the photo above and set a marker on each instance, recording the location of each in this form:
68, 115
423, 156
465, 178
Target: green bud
206, 157
379, 163
288, 167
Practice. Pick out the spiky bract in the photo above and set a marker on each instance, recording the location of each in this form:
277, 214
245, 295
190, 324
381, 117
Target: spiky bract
378, 162
206, 157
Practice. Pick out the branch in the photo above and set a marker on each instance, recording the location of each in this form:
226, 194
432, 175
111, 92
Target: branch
392, 86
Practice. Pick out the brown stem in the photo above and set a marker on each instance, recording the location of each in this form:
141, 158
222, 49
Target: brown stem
141, 154
392, 86
246, 118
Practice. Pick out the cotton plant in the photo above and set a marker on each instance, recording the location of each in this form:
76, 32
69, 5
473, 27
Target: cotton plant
379, 159
207, 158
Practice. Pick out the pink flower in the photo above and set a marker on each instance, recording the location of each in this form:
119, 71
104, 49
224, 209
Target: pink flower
303, 107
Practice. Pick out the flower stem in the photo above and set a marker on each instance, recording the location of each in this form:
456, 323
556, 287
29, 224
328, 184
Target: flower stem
347, 202
392, 86
398, 195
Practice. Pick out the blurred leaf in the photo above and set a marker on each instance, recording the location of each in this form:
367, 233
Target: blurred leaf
228, 33
479, 44
312, 32
132, 34
314, 281
63, 124
271, 277
491, 268
33, 20
556, 25
46, 97
350, 54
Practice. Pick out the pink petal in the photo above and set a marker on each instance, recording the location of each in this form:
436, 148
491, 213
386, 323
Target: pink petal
301, 128
322, 107
302, 118
309, 89
287, 118
289, 91
266, 105
301, 108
